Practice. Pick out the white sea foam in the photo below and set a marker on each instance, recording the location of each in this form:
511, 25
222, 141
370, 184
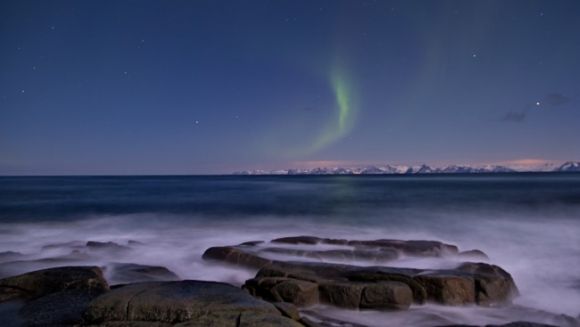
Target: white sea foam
543, 255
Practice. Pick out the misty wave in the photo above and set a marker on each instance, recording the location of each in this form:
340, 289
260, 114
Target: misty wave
542, 255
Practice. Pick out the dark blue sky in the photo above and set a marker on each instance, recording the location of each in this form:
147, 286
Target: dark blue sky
132, 87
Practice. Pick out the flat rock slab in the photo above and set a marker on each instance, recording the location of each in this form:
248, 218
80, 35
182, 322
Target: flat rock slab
258, 254
412, 247
183, 303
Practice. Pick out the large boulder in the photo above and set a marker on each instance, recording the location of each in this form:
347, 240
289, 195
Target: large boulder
43, 282
492, 284
295, 270
183, 303
381, 287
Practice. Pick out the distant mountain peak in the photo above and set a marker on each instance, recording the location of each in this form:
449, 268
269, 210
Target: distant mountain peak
570, 166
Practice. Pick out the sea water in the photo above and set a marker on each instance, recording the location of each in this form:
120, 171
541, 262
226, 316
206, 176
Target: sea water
529, 224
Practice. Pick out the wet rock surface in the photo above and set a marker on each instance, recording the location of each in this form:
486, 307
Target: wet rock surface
302, 277
413, 247
296, 279
61, 308
122, 273
257, 254
184, 303
43, 282
381, 287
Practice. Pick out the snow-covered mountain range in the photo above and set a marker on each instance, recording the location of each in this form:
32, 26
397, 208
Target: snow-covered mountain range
570, 166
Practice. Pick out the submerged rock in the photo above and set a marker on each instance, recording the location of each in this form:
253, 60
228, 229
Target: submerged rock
66, 245
473, 254
236, 256
17, 267
133, 273
9, 256
106, 246
43, 282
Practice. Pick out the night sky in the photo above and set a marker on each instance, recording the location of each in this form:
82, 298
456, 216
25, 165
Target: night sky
195, 87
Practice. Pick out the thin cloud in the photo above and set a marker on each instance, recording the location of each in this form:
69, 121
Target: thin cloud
556, 99
550, 100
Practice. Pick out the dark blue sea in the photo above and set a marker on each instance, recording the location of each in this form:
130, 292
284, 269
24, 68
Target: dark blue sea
527, 223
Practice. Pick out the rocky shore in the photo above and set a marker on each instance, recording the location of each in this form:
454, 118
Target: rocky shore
298, 281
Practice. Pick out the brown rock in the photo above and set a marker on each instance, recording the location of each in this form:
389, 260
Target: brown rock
280, 289
298, 240
412, 247
386, 295
248, 319
235, 256
288, 310
448, 289
341, 294
337, 254
493, 285
342, 285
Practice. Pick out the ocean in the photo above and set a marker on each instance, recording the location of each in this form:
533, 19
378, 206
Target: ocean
529, 224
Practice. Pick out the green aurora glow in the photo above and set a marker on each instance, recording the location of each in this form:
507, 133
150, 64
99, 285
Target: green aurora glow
343, 122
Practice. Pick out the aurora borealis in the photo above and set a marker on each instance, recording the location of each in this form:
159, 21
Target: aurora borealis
343, 121
117, 87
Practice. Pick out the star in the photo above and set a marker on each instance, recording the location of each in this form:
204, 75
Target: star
474, 55
538, 103
196, 122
